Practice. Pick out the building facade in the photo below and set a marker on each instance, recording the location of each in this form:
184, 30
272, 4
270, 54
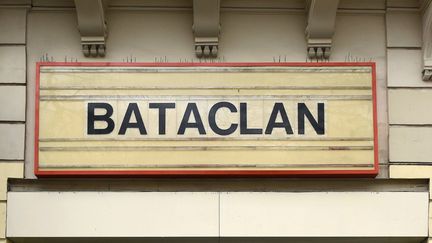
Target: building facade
391, 205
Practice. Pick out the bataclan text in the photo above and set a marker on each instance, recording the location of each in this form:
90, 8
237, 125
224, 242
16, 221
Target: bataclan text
192, 119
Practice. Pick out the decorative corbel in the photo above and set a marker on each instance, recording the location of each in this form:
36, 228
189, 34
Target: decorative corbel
320, 27
92, 26
206, 27
427, 40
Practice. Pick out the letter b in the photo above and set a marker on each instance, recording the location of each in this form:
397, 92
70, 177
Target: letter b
92, 118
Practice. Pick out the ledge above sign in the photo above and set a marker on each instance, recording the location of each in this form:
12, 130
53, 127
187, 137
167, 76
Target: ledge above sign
220, 119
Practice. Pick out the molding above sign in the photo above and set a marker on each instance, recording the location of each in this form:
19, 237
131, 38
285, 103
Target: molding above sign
92, 26
206, 27
320, 28
219, 119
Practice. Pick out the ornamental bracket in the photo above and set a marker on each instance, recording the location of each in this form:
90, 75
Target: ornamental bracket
320, 28
92, 26
206, 27
426, 7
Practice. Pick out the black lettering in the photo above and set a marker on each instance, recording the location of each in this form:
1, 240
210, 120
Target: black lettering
212, 118
191, 108
162, 114
278, 108
132, 108
303, 112
243, 122
91, 118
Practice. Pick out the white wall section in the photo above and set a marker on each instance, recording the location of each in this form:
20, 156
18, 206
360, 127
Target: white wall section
211, 214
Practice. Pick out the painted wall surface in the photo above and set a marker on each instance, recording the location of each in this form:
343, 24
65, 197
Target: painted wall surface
218, 214
12, 99
385, 32
276, 36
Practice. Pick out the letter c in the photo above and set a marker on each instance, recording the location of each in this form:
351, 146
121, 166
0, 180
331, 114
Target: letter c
212, 118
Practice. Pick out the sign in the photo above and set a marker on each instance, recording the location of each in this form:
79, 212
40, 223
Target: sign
273, 119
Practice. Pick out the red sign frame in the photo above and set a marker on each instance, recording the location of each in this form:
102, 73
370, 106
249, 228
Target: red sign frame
206, 173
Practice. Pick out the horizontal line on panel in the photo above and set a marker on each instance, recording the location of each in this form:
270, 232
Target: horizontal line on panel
206, 139
410, 87
410, 163
18, 161
404, 48
6, 44
394, 125
219, 166
203, 148
12, 122
13, 84
206, 88
197, 69
193, 98
360, 11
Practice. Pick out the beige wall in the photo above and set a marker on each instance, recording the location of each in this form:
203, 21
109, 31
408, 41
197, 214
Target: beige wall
12, 99
408, 95
386, 32
154, 35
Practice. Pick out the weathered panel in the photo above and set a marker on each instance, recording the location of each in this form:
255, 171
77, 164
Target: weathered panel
261, 126
404, 28
351, 45
405, 68
12, 141
410, 171
13, 25
410, 106
309, 214
113, 214
12, 64
195, 214
410, 144
13, 100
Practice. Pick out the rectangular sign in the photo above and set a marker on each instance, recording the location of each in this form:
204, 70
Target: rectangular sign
249, 119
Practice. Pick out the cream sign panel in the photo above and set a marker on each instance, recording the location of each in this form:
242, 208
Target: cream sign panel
206, 119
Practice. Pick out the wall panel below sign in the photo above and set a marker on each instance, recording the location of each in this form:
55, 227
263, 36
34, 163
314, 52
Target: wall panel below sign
206, 119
